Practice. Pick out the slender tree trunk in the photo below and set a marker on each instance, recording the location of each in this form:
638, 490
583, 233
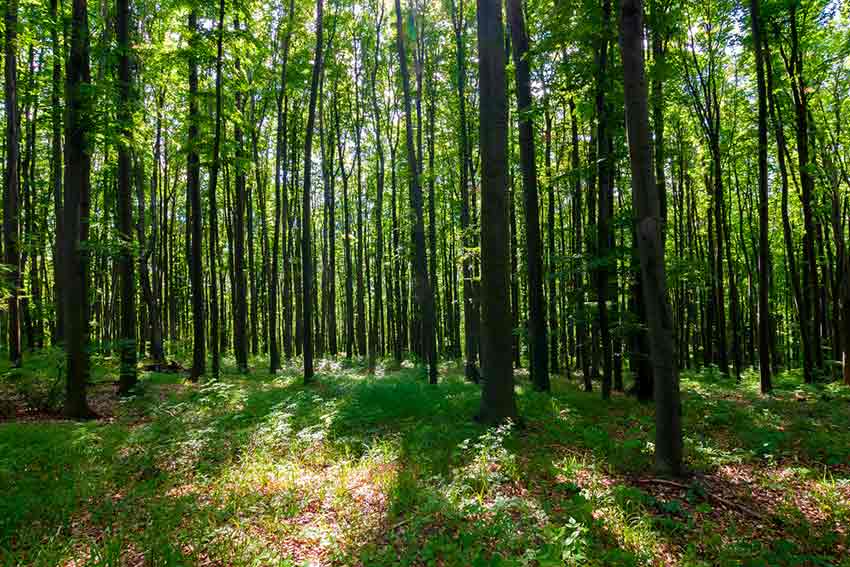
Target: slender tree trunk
606, 194
11, 220
668, 428
215, 305
423, 294
378, 310
56, 169
539, 363
280, 196
306, 252
471, 314
360, 312
790, 255
240, 316
193, 188
810, 285
578, 284
125, 216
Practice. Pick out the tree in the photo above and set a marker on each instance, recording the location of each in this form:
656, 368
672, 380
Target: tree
604, 159
56, 167
471, 313
498, 400
215, 333
193, 189
240, 296
280, 190
76, 208
306, 244
422, 289
668, 426
534, 249
764, 248
11, 221
125, 211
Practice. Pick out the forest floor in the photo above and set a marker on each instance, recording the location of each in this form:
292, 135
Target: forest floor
387, 470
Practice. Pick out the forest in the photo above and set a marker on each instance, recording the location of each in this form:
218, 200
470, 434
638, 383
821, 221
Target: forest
425, 282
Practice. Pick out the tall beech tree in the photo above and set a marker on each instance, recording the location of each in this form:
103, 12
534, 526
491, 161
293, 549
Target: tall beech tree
125, 212
77, 189
647, 206
533, 246
423, 294
11, 188
498, 400
193, 189
306, 230
764, 227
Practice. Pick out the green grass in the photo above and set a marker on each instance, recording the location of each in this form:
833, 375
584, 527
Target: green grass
387, 470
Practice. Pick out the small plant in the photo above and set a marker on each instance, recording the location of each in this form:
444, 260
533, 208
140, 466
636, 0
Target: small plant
490, 462
565, 545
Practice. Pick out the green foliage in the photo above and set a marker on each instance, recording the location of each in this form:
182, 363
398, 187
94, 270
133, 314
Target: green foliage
388, 470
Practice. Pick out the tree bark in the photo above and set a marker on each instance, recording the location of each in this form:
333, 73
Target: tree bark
498, 400
538, 354
11, 220
240, 298
125, 213
306, 244
423, 294
668, 427
76, 209
193, 188
213, 244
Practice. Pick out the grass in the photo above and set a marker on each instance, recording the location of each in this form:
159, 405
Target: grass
387, 470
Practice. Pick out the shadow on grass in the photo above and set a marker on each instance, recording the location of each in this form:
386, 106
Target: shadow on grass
355, 469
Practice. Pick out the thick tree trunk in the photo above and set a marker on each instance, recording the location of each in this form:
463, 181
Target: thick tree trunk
498, 400
76, 209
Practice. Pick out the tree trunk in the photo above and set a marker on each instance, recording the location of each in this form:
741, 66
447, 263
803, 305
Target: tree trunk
306, 248
378, 310
215, 305
471, 314
423, 294
668, 427
538, 353
125, 216
240, 307
604, 166
11, 229
498, 400
56, 170
76, 209
193, 188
